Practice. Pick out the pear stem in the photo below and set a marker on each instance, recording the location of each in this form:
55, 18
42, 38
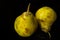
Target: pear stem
28, 8
49, 34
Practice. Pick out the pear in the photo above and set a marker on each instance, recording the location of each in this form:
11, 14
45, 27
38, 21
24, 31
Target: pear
25, 24
46, 16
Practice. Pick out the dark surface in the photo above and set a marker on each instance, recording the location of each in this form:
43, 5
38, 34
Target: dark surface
11, 9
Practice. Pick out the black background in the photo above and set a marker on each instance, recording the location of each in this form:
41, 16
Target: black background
11, 9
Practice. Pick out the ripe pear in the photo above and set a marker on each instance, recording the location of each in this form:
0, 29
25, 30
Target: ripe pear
25, 24
46, 16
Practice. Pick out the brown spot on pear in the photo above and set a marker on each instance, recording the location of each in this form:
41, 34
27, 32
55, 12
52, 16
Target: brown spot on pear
47, 17
26, 19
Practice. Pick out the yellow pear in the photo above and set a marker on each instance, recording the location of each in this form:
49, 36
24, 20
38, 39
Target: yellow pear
25, 24
46, 16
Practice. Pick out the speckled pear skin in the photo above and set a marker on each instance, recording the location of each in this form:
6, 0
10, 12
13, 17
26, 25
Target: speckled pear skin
46, 16
25, 24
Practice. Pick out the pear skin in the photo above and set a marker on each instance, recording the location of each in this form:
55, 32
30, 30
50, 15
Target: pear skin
25, 24
46, 16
